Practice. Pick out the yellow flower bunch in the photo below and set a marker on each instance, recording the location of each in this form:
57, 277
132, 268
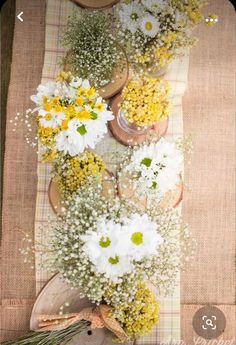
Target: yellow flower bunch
145, 100
70, 116
138, 317
69, 173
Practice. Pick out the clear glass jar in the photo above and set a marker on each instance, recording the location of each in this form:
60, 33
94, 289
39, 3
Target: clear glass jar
131, 127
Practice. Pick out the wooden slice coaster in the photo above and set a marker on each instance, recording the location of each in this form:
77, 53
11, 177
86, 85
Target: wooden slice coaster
128, 139
96, 4
54, 294
55, 199
119, 79
170, 199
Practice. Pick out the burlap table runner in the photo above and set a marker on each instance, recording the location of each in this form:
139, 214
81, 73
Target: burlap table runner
209, 209
56, 18
19, 187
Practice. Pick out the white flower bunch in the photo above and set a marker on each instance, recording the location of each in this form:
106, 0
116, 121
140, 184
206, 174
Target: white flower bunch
71, 116
157, 168
114, 248
106, 247
156, 31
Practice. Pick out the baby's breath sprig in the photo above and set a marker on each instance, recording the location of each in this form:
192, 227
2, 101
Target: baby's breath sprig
92, 49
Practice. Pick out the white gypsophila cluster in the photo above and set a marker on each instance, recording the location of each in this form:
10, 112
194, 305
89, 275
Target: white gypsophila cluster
79, 106
92, 50
114, 248
157, 168
77, 242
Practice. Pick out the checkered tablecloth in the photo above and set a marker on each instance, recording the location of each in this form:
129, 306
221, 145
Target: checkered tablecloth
57, 13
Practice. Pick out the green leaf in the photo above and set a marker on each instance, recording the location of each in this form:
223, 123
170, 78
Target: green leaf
147, 162
94, 116
82, 130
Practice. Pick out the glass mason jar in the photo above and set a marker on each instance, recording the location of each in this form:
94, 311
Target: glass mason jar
131, 127
155, 72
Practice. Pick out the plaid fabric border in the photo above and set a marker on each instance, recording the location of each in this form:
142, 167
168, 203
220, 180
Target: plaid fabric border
57, 13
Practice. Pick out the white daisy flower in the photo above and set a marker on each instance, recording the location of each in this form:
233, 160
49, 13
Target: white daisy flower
130, 15
141, 238
51, 119
44, 90
149, 25
103, 241
76, 82
114, 266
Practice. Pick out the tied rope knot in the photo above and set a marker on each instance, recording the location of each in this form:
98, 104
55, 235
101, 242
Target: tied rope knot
99, 317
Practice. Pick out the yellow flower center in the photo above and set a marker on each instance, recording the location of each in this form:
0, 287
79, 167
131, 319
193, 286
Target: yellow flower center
148, 26
80, 92
48, 117
79, 102
104, 242
114, 261
137, 238
99, 107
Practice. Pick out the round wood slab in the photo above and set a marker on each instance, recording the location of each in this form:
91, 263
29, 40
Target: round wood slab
55, 196
125, 138
119, 79
96, 4
54, 294
170, 199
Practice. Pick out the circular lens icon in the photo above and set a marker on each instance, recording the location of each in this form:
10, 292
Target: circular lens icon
209, 322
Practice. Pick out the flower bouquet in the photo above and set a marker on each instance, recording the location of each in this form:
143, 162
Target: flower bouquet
93, 52
70, 173
70, 115
142, 107
114, 252
154, 32
151, 173
115, 255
